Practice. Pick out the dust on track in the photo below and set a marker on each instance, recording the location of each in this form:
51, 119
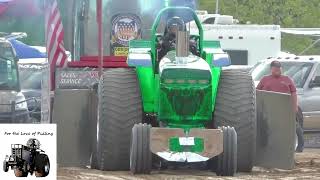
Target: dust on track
307, 167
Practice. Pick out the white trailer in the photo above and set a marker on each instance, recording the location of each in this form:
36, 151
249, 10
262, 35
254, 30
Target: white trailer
245, 43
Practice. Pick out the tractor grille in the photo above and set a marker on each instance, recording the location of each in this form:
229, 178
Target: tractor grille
16, 150
187, 101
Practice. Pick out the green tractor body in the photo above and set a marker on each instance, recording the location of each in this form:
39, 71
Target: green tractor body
163, 104
182, 94
186, 97
180, 90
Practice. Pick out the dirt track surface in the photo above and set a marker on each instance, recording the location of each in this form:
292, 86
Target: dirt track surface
307, 167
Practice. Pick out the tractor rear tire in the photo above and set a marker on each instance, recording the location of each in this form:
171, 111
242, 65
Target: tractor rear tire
119, 109
235, 107
140, 154
42, 165
227, 160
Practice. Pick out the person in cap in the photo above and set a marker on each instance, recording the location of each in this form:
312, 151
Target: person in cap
277, 82
168, 42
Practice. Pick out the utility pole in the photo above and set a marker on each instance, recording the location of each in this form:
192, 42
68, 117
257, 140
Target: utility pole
100, 36
217, 6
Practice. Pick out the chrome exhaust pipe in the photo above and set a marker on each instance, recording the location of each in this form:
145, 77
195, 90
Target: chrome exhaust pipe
182, 45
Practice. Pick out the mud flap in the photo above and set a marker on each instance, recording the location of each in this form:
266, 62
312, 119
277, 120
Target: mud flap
74, 114
275, 130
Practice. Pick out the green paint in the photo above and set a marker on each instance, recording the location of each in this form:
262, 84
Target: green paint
175, 146
139, 44
215, 84
211, 47
147, 86
181, 95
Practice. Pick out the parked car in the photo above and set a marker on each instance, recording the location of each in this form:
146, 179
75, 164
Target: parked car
31, 72
13, 104
305, 72
31, 88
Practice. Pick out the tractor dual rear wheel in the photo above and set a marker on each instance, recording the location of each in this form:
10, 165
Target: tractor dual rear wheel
227, 160
235, 107
140, 154
119, 109
42, 165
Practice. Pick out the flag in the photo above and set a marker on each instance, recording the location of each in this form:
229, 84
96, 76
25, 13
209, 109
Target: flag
57, 56
54, 36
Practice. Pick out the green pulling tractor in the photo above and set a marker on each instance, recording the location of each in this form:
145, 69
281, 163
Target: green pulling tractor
175, 104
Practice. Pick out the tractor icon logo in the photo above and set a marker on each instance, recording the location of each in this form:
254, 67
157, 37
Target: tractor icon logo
29, 159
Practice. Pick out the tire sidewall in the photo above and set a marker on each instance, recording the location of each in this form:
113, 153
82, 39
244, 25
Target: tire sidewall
111, 83
5, 166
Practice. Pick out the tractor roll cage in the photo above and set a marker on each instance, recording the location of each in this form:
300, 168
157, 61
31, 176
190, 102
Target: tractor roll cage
173, 10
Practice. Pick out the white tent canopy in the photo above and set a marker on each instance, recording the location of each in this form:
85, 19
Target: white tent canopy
302, 31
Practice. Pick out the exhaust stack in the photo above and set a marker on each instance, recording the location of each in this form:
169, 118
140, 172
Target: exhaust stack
182, 46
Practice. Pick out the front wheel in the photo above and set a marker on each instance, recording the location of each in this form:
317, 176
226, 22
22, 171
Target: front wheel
227, 160
140, 154
5, 166
20, 173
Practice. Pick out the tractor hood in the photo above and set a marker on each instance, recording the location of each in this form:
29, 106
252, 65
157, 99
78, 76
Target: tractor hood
184, 70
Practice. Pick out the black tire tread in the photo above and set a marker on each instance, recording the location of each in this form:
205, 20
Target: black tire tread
40, 161
5, 166
141, 157
120, 107
235, 107
227, 160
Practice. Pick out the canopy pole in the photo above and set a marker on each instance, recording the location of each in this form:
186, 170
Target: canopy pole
217, 6
100, 36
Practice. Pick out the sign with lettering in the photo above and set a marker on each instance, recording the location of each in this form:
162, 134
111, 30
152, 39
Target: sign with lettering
76, 79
